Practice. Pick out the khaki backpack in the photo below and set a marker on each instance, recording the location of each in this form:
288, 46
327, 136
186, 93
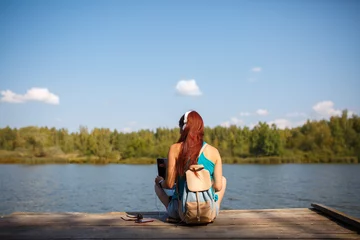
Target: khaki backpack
197, 204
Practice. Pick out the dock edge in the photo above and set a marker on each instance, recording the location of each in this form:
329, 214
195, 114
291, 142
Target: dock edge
342, 217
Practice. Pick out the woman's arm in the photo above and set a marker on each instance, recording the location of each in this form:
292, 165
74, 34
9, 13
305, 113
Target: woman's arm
171, 167
217, 172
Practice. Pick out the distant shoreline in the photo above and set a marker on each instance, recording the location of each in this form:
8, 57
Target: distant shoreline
147, 160
325, 141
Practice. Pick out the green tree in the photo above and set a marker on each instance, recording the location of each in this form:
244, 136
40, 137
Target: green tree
265, 140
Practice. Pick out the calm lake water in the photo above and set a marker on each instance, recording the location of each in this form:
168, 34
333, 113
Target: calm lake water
104, 188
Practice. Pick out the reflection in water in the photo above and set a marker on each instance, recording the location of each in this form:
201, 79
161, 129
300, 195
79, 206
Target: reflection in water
105, 188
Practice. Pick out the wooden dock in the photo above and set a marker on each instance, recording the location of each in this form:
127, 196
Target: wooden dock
317, 222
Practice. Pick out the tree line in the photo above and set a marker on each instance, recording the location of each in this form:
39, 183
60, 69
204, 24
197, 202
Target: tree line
333, 140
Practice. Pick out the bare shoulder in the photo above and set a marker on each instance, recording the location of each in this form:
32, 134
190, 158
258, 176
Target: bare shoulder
175, 148
212, 149
212, 153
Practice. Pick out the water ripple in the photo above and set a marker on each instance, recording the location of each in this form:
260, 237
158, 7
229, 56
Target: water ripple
93, 188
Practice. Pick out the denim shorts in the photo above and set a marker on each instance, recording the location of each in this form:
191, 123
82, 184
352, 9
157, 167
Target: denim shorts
173, 209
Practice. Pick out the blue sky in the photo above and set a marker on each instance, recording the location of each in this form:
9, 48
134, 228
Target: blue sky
141, 64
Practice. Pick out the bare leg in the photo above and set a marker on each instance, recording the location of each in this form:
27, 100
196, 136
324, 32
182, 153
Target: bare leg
164, 198
222, 191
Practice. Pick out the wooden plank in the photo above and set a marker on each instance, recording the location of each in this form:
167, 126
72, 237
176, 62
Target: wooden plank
281, 210
293, 211
167, 232
106, 220
95, 216
241, 224
111, 219
342, 217
223, 214
119, 222
331, 226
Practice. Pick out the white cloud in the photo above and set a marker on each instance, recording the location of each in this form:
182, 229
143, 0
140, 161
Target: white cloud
283, 123
33, 94
236, 121
233, 121
130, 127
262, 112
126, 130
245, 114
188, 87
252, 125
225, 124
296, 114
326, 109
256, 69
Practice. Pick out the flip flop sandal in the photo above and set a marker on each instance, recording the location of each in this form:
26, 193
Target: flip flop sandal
138, 218
144, 220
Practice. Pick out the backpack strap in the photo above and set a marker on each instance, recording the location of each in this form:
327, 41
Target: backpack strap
202, 149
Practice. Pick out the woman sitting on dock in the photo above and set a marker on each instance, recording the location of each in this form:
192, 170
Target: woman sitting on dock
188, 148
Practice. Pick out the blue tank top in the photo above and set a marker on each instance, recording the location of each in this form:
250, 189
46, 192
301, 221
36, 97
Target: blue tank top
208, 165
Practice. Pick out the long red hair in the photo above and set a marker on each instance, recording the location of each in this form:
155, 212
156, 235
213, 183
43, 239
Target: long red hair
192, 137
